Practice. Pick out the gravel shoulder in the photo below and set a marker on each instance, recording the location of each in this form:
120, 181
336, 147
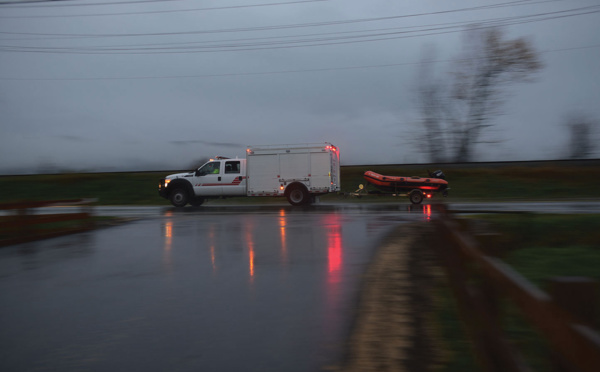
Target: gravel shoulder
394, 328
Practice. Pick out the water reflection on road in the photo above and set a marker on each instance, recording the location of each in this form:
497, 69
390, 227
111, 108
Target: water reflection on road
258, 290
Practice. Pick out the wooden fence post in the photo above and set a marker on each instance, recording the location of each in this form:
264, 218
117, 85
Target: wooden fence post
478, 304
580, 297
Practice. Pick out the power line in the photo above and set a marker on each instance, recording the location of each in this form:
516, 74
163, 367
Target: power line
281, 42
31, 4
281, 72
62, 4
164, 11
78, 36
278, 27
447, 24
19, 4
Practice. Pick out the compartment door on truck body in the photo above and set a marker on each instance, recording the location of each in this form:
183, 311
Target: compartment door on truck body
234, 177
294, 166
263, 174
320, 170
208, 179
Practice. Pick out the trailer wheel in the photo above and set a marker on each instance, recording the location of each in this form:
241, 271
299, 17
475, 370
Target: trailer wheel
416, 196
179, 197
297, 195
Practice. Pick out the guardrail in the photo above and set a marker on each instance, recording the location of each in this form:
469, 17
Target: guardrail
479, 280
27, 221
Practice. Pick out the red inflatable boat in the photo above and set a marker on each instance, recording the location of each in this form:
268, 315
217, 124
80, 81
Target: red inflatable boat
416, 187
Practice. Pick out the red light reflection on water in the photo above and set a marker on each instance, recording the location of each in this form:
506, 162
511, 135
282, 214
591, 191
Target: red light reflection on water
334, 246
251, 255
211, 241
168, 234
282, 226
334, 249
250, 242
427, 211
333, 289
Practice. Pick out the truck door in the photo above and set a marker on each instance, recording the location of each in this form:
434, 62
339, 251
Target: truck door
234, 180
208, 179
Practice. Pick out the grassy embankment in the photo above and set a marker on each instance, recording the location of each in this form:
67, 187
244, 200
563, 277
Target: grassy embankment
539, 247
513, 181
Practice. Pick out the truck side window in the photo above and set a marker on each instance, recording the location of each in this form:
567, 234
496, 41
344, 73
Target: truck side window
210, 168
232, 167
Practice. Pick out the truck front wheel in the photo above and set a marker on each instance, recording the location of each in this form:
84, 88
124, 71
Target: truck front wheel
179, 197
298, 195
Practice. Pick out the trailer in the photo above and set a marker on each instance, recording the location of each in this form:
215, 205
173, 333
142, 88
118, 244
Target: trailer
415, 188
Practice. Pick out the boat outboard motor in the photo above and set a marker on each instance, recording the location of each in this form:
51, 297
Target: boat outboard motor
437, 174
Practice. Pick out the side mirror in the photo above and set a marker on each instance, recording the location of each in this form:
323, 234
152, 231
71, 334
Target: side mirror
198, 173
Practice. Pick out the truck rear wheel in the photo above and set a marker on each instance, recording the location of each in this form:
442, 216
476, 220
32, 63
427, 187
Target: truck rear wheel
416, 197
298, 195
179, 197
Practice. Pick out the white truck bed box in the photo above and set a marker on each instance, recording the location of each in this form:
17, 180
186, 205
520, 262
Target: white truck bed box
271, 168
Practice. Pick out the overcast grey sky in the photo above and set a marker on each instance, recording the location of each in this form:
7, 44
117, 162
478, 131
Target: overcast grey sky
124, 84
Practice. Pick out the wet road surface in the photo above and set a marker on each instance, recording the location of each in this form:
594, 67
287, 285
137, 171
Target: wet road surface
574, 206
221, 289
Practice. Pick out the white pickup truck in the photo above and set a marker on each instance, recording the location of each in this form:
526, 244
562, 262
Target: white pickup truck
298, 172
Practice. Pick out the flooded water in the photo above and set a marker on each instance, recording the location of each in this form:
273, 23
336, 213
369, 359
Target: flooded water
246, 289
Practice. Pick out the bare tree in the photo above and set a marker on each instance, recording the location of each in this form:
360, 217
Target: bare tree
487, 65
581, 141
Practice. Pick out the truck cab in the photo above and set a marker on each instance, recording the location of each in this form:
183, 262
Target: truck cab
222, 177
